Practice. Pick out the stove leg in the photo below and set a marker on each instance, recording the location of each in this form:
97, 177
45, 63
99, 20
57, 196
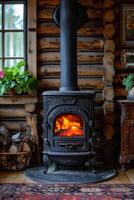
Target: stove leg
56, 168
92, 162
46, 161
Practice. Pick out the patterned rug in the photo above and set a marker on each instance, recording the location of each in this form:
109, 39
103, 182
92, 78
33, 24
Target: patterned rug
66, 192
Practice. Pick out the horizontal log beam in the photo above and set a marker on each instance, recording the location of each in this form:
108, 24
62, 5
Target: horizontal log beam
92, 83
91, 3
94, 28
50, 29
17, 99
48, 2
82, 57
12, 112
84, 44
46, 14
13, 125
84, 70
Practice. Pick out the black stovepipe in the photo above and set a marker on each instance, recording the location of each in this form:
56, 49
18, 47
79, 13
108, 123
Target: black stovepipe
68, 41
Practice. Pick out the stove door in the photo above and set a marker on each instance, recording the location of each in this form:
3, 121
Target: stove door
70, 128
68, 125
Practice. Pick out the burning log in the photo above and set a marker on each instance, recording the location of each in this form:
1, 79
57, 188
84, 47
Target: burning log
69, 125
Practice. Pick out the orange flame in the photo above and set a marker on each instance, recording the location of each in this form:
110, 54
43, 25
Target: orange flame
68, 125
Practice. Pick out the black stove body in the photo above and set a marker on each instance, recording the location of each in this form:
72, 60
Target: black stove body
59, 147
68, 117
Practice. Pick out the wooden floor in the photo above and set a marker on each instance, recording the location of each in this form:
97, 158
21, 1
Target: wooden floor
18, 177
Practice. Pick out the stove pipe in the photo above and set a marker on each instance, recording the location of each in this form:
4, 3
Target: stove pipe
68, 31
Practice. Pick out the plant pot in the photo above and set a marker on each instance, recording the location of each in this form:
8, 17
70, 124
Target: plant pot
131, 94
11, 92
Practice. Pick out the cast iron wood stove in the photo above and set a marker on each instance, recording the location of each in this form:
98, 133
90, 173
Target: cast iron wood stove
68, 113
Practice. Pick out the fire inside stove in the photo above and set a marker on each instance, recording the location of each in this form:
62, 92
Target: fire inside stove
68, 125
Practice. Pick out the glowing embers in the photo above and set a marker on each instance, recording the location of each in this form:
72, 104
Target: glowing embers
68, 125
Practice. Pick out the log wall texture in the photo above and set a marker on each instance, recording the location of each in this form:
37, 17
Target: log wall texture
90, 52
109, 72
99, 64
13, 111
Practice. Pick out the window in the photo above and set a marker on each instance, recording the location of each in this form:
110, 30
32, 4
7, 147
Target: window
12, 32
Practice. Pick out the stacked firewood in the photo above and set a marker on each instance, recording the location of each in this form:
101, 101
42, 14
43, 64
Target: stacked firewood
15, 149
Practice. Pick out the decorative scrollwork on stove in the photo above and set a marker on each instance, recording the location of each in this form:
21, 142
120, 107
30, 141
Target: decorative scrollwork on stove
69, 100
52, 102
63, 100
85, 102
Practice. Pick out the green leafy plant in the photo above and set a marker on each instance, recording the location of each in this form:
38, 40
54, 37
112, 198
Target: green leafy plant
128, 82
17, 79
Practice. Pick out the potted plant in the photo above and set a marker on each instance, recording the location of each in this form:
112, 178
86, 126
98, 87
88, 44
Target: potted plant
17, 80
128, 82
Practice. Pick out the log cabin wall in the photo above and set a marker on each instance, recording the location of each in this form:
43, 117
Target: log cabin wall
99, 65
13, 116
109, 71
90, 51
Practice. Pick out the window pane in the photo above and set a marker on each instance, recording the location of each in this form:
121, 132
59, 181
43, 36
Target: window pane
14, 16
14, 44
0, 45
11, 62
0, 64
0, 16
